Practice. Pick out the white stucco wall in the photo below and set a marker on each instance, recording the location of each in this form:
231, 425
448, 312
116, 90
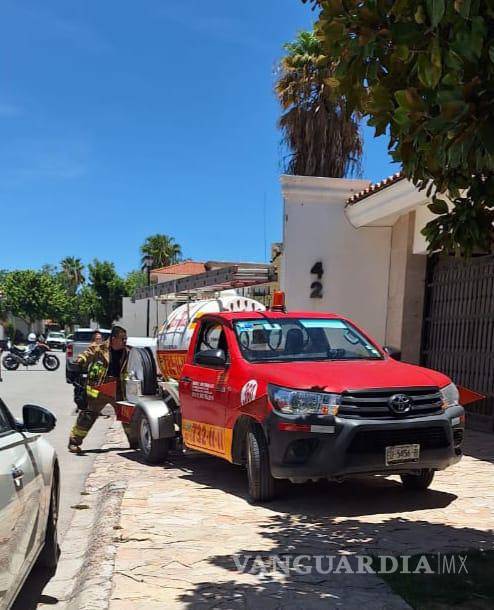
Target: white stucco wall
134, 316
356, 261
422, 216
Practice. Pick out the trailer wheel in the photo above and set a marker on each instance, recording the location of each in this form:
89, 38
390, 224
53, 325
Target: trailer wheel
153, 450
262, 484
419, 481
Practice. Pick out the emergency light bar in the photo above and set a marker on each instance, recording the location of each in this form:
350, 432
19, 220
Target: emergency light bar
215, 280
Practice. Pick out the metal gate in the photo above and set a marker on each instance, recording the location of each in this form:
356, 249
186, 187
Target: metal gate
458, 331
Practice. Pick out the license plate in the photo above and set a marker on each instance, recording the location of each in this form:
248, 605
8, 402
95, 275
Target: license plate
400, 454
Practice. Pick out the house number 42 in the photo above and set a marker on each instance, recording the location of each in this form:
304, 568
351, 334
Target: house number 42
316, 287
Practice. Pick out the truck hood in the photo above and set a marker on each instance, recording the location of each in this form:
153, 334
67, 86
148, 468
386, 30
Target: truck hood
349, 375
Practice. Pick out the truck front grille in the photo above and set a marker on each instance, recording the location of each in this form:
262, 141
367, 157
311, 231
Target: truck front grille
371, 441
374, 404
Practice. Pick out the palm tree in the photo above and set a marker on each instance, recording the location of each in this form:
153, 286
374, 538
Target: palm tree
322, 139
72, 272
163, 249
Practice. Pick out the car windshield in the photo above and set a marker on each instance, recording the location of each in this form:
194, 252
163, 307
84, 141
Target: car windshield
56, 335
290, 339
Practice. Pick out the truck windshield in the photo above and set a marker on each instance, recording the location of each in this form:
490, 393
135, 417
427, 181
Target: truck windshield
290, 339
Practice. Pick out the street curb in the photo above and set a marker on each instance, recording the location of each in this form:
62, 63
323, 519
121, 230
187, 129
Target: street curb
93, 584
83, 580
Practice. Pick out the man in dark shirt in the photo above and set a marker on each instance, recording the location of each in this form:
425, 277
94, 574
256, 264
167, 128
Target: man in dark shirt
106, 366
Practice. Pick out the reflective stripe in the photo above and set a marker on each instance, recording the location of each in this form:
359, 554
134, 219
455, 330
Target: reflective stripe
92, 392
78, 432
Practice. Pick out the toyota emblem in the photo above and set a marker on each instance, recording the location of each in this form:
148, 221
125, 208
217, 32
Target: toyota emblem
399, 404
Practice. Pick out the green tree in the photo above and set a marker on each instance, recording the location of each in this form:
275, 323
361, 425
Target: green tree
85, 306
424, 71
72, 272
33, 295
163, 249
133, 281
321, 137
109, 288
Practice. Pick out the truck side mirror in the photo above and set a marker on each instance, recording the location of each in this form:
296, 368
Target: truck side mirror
211, 357
393, 352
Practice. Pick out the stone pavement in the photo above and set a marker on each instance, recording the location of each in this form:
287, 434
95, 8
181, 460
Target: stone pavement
182, 523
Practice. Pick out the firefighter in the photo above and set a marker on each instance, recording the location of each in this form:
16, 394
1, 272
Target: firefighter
106, 366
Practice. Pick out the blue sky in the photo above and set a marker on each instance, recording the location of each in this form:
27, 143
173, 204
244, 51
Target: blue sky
121, 119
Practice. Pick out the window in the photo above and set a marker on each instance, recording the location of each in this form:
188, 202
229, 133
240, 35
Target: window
212, 336
5, 419
290, 339
87, 335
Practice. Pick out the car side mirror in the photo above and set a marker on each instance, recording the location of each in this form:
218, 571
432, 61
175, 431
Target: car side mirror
393, 352
37, 419
211, 357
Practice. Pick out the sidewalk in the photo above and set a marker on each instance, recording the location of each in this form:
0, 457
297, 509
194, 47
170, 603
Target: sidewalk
181, 525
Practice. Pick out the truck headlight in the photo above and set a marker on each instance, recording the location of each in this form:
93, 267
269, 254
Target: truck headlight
300, 402
450, 396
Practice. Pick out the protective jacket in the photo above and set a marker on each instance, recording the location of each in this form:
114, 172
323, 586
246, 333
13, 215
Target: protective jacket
96, 359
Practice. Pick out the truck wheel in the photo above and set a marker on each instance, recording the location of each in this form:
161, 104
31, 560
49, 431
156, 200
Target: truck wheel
262, 484
153, 450
422, 480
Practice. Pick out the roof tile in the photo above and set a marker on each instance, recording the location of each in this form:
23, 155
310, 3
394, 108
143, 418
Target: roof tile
375, 187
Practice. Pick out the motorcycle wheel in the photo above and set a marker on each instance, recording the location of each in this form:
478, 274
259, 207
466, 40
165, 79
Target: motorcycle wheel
51, 362
10, 363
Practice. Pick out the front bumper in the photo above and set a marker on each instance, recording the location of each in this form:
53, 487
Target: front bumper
358, 446
56, 345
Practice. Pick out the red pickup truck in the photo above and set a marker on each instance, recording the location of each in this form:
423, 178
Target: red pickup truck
303, 396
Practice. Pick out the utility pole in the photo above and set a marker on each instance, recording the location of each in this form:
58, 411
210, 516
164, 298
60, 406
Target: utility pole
148, 265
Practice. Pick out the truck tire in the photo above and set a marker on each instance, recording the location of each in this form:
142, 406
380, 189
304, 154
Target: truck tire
153, 450
142, 363
262, 484
418, 481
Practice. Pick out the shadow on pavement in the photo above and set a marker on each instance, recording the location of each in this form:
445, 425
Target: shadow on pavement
105, 450
479, 445
320, 544
382, 495
31, 593
321, 520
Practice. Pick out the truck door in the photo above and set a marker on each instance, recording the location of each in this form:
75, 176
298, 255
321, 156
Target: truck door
204, 394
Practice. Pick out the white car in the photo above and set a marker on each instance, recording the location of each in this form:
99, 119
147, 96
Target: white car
56, 340
29, 498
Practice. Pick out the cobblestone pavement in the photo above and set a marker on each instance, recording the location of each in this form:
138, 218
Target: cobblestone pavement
182, 523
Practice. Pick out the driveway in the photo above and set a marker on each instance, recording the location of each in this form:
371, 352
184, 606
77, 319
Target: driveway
186, 526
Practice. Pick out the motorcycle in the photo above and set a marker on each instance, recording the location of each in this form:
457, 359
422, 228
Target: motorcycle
29, 356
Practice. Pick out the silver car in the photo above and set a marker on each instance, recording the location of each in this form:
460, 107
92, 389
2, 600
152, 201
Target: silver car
29, 498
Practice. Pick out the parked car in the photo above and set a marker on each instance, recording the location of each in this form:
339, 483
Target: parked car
56, 340
29, 498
